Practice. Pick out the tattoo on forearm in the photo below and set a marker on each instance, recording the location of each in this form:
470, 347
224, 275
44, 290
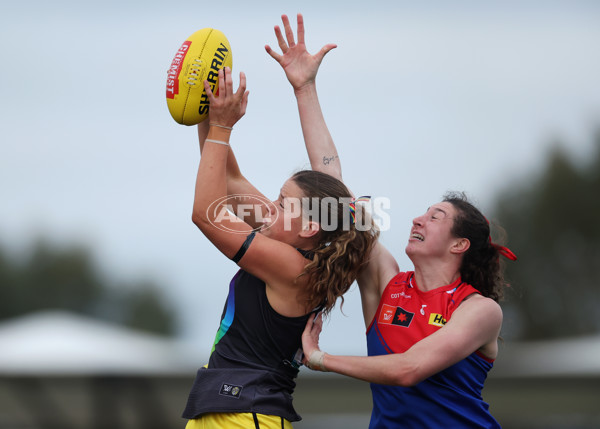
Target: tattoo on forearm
329, 159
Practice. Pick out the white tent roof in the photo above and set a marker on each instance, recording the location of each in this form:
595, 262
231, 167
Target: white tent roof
56, 342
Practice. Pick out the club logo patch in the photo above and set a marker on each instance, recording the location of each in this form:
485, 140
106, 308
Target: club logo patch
395, 316
231, 390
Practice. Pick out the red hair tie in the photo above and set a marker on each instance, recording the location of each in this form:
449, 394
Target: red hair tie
504, 251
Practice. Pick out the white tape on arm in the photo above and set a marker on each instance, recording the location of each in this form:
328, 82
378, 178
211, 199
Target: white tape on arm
315, 361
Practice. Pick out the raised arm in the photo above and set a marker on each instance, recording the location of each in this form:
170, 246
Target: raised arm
237, 184
278, 264
211, 180
301, 69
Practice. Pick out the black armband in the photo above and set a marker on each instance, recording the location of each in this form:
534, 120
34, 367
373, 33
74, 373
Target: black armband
244, 247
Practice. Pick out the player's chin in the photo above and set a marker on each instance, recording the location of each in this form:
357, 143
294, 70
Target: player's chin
411, 248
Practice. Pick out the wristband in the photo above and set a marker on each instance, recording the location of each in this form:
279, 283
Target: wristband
220, 126
217, 141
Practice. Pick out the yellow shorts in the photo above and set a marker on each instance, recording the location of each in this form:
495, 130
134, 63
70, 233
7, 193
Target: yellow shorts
238, 421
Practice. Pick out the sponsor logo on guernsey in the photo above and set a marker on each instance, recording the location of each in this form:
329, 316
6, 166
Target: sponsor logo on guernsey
231, 390
175, 70
436, 319
400, 295
395, 316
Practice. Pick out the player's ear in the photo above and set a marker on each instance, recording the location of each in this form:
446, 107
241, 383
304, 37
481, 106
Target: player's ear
309, 229
460, 245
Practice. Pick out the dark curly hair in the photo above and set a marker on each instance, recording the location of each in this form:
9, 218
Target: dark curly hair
481, 265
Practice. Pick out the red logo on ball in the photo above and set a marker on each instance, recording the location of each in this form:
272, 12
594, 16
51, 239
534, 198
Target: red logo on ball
175, 69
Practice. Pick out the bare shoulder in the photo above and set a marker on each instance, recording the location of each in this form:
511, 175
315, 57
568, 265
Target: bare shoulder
481, 311
475, 325
481, 319
482, 304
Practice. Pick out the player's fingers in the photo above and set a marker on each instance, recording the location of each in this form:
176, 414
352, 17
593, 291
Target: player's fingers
324, 50
272, 53
244, 102
280, 40
289, 34
242, 88
309, 325
209, 92
228, 81
222, 89
300, 29
319, 322
314, 325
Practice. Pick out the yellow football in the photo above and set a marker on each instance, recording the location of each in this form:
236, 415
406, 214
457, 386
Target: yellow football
198, 59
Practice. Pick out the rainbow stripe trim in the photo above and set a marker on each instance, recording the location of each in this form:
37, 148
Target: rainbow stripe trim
229, 313
352, 206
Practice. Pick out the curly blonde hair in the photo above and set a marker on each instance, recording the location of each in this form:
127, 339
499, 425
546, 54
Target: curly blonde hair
343, 247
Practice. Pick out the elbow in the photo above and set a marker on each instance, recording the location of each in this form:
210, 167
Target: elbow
406, 377
196, 218
409, 380
235, 176
200, 220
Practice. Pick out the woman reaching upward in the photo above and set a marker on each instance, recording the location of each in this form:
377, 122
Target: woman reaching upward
290, 266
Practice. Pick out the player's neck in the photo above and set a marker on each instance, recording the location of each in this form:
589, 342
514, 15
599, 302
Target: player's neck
430, 277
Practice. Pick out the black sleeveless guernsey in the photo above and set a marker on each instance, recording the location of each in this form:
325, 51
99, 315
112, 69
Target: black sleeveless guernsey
255, 357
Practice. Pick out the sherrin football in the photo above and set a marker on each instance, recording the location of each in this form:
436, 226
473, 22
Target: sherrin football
198, 59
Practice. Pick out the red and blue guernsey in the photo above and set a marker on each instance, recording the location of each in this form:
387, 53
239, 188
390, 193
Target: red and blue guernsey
448, 399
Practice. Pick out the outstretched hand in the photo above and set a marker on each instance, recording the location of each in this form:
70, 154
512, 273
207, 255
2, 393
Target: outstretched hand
300, 67
310, 336
229, 106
